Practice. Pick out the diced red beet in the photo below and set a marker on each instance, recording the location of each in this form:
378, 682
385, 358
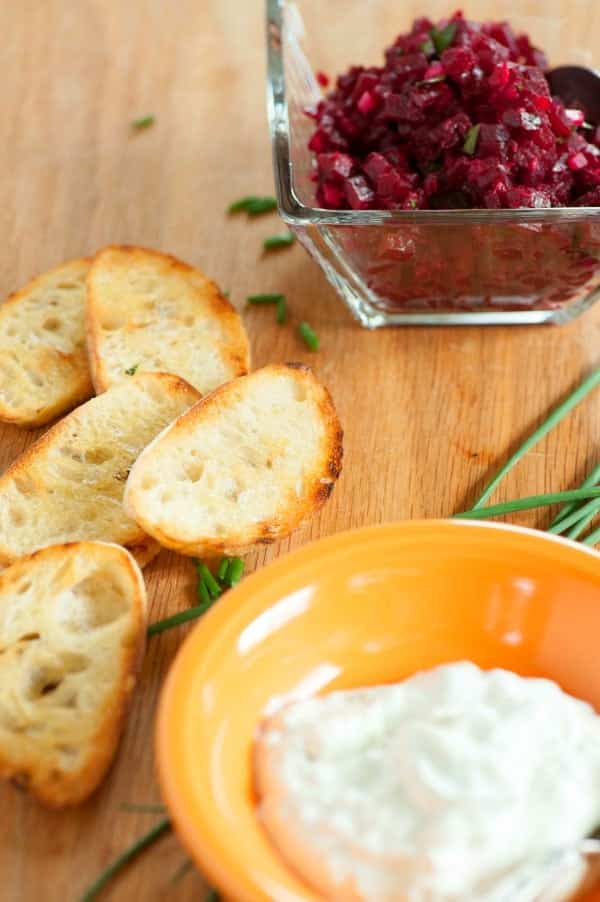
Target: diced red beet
323, 79
401, 136
360, 195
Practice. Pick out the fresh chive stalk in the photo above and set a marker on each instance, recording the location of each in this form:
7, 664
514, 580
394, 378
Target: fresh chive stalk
281, 311
253, 205
264, 298
144, 121
275, 242
235, 571
583, 523
203, 593
214, 589
222, 571
588, 385
132, 370
181, 617
590, 508
309, 336
523, 504
589, 482
471, 139
123, 860
593, 538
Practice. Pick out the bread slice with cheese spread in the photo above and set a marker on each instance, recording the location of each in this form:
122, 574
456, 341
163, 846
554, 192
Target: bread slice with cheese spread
68, 486
43, 360
149, 311
246, 465
72, 633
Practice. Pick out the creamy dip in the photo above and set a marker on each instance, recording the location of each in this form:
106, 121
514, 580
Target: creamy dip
435, 788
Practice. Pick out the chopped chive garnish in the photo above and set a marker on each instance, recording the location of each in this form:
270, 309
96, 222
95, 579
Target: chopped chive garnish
588, 126
281, 315
253, 205
593, 538
119, 863
471, 139
523, 504
431, 81
428, 47
225, 294
443, 37
309, 336
132, 370
222, 571
203, 593
235, 571
142, 809
555, 417
181, 617
591, 507
589, 482
264, 298
144, 121
214, 589
278, 241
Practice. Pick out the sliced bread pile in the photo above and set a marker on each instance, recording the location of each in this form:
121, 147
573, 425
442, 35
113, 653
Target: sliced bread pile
72, 633
180, 448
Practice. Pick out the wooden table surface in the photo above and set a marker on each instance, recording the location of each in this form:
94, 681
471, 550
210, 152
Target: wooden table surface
428, 414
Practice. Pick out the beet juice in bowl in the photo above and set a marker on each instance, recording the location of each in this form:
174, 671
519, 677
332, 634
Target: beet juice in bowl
431, 172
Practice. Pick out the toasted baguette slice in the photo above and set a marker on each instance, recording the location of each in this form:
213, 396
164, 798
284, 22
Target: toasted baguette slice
245, 465
43, 360
72, 631
151, 311
68, 486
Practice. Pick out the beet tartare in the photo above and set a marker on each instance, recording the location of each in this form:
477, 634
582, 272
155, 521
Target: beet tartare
460, 116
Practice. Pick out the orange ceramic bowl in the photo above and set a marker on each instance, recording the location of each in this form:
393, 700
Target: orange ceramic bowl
360, 608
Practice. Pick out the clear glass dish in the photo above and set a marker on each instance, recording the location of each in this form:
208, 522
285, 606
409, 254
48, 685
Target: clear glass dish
426, 267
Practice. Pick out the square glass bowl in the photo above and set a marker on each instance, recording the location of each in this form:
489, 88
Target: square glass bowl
427, 267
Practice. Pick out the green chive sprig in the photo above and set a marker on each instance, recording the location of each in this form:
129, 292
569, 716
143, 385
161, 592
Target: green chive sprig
131, 371
143, 122
309, 336
253, 205
442, 37
592, 480
593, 538
279, 300
588, 385
209, 588
123, 860
276, 242
530, 503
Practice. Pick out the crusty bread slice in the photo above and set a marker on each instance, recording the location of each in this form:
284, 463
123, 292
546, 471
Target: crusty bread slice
72, 632
68, 486
245, 465
43, 360
149, 310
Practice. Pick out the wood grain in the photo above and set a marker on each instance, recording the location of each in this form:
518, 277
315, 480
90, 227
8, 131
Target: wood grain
428, 414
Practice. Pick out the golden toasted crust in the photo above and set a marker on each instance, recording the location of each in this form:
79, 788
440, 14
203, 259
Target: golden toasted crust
82, 609
298, 462
149, 310
68, 485
43, 361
